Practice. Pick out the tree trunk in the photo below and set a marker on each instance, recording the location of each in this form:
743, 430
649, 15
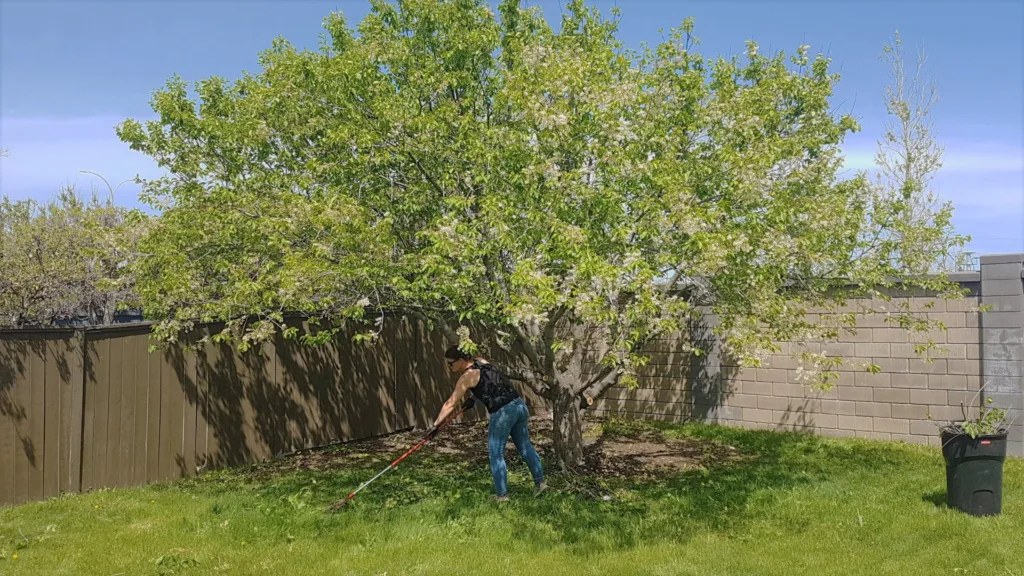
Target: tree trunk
567, 431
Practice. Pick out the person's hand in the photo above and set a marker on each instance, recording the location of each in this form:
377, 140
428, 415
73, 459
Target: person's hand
469, 404
432, 431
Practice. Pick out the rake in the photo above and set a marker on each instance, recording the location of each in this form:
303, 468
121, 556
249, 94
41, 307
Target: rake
341, 503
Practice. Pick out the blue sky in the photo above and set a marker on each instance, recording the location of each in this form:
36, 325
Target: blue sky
69, 71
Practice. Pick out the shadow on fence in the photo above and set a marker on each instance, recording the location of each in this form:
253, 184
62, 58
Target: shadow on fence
88, 409
129, 416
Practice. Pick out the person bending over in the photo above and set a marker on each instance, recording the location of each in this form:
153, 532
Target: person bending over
509, 416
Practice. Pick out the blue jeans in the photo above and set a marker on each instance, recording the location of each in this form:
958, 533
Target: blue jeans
511, 419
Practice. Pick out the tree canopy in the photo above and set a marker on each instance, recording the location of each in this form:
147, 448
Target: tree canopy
549, 183
67, 259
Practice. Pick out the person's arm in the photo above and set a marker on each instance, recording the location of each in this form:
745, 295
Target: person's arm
466, 381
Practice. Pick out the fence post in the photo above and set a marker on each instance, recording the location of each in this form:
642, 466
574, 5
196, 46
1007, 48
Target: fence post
1002, 339
77, 410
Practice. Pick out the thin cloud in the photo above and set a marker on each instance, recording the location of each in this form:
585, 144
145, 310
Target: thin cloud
984, 180
961, 157
27, 130
47, 153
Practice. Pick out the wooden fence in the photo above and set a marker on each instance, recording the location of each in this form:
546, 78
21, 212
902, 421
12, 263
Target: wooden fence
86, 409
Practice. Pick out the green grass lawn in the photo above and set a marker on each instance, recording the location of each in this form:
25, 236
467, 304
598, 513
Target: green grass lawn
745, 502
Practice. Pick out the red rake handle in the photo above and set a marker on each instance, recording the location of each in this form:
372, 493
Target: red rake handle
394, 464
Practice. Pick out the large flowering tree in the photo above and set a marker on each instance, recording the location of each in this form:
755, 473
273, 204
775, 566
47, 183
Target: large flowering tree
574, 197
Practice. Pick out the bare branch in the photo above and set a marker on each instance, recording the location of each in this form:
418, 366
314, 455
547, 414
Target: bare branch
599, 384
527, 378
528, 348
549, 328
548, 338
578, 344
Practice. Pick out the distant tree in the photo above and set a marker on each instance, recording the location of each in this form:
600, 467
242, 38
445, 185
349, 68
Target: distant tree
573, 197
909, 156
66, 259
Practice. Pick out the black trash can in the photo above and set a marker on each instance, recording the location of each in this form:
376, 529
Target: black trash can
974, 472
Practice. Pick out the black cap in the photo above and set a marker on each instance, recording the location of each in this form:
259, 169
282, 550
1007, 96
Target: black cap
455, 353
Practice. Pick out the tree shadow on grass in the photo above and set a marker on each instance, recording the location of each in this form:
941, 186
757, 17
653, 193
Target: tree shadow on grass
722, 498
723, 495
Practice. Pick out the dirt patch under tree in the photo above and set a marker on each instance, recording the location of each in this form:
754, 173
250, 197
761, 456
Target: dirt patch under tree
632, 451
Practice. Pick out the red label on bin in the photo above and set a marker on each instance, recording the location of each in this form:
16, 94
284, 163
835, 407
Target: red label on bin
986, 442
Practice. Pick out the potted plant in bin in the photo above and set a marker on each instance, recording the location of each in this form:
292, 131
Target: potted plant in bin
974, 450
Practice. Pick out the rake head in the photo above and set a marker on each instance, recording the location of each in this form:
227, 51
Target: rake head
339, 505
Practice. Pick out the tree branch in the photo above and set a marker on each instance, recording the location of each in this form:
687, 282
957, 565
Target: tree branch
578, 348
526, 378
528, 348
425, 174
671, 284
600, 376
598, 385
424, 317
548, 340
549, 328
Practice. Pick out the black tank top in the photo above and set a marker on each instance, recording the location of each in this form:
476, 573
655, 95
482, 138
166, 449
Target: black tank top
493, 390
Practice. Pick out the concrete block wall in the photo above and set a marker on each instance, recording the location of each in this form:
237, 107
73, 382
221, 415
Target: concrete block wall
907, 400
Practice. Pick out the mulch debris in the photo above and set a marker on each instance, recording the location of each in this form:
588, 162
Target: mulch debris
644, 453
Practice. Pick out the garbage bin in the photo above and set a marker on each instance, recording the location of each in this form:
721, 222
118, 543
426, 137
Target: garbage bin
974, 472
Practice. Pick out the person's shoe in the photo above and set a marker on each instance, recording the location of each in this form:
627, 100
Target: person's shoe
499, 498
540, 489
